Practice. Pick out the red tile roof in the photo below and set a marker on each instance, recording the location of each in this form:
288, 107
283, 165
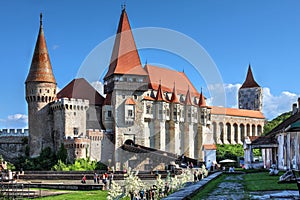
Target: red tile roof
81, 89
174, 98
41, 69
249, 82
129, 101
188, 100
168, 78
210, 146
237, 112
202, 102
148, 98
125, 58
160, 96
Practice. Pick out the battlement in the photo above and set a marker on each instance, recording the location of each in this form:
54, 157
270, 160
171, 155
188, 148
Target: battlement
14, 132
95, 134
70, 104
76, 142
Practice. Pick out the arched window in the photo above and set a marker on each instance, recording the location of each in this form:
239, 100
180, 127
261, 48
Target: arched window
228, 127
214, 131
254, 130
259, 130
235, 131
221, 132
242, 132
248, 130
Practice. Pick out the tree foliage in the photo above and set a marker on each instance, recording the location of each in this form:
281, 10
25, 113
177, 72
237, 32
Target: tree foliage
275, 122
232, 151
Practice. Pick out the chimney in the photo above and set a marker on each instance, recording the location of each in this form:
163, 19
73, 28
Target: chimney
294, 108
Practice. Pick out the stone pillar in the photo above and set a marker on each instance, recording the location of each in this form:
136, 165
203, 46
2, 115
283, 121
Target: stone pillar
172, 136
232, 139
200, 142
186, 139
162, 135
156, 134
225, 139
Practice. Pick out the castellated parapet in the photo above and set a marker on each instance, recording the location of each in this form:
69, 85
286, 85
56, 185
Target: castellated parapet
14, 132
70, 104
77, 148
69, 119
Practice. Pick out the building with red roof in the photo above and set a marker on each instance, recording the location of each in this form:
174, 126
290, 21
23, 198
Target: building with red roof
146, 108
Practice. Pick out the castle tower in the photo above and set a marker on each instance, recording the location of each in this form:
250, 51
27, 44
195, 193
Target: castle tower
125, 79
40, 90
250, 93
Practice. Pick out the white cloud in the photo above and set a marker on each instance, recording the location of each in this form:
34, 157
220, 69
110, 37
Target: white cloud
276, 105
98, 86
14, 121
54, 47
272, 105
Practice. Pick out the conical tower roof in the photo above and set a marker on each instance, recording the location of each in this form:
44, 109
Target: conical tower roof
40, 69
249, 82
202, 101
174, 98
188, 99
160, 94
125, 58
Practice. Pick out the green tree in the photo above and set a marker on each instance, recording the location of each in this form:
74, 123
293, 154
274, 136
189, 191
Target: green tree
62, 154
275, 122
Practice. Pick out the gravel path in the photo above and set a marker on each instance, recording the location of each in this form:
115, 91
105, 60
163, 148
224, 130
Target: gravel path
230, 188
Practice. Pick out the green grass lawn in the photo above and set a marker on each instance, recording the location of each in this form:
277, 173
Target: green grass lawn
254, 181
263, 182
79, 195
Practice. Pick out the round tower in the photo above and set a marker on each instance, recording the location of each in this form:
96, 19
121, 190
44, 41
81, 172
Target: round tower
40, 90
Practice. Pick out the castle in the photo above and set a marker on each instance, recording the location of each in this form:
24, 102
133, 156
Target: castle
145, 108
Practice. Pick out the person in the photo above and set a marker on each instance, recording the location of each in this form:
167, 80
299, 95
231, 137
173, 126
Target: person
83, 180
110, 179
208, 167
95, 177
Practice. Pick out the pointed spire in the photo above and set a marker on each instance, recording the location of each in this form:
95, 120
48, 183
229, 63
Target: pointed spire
202, 102
188, 99
41, 69
249, 82
160, 94
125, 58
174, 98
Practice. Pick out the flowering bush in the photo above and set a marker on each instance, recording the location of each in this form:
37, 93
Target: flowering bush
133, 183
115, 191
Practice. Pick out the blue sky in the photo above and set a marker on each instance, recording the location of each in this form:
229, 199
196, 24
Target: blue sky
265, 34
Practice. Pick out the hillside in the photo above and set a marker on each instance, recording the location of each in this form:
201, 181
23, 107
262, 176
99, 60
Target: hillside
273, 123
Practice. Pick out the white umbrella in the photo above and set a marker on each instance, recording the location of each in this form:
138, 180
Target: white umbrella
227, 161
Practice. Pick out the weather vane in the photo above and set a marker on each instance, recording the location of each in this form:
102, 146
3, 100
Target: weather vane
123, 6
41, 18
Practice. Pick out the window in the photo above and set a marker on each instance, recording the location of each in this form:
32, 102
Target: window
148, 109
135, 97
75, 131
130, 113
109, 114
123, 96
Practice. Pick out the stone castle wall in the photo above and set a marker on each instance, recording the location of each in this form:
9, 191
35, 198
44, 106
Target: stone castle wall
13, 143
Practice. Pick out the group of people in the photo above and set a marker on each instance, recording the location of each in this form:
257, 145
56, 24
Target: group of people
151, 194
106, 179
